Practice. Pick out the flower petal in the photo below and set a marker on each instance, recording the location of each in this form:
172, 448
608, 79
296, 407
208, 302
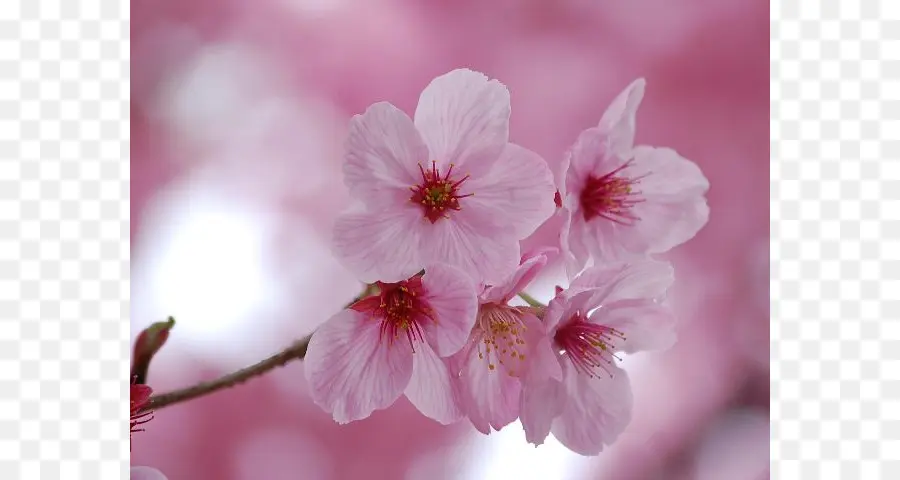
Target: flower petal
541, 402
383, 150
674, 207
668, 174
642, 280
380, 245
556, 309
431, 388
618, 122
351, 371
487, 257
489, 397
464, 119
589, 155
542, 362
608, 244
573, 239
596, 411
645, 325
516, 194
146, 473
532, 263
451, 294
139, 394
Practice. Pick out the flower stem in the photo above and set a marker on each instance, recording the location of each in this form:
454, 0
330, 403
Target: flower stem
296, 351
530, 300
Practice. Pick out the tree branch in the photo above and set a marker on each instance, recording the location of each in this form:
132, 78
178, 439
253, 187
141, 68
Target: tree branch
294, 352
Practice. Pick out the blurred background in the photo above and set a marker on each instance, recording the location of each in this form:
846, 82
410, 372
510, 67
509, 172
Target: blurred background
238, 114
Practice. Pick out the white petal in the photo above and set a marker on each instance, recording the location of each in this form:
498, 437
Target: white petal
351, 370
596, 411
517, 193
489, 396
641, 280
674, 207
488, 257
383, 150
576, 242
380, 245
645, 325
532, 263
451, 294
618, 122
464, 119
431, 388
542, 402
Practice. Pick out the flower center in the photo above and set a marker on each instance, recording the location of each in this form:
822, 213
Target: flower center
590, 347
611, 197
500, 340
436, 194
402, 310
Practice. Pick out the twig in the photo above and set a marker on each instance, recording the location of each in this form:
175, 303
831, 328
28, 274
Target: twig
294, 352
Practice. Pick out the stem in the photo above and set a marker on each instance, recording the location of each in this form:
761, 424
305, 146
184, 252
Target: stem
530, 300
295, 351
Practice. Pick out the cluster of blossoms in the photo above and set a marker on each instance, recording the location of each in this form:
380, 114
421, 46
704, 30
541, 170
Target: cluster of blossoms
443, 201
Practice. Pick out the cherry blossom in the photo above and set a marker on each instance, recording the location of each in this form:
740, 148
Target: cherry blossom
444, 187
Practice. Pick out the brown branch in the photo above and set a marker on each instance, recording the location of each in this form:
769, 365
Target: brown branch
294, 352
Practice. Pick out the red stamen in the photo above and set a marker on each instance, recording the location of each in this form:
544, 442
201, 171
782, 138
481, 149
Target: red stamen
437, 195
402, 310
611, 197
140, 397
588, 345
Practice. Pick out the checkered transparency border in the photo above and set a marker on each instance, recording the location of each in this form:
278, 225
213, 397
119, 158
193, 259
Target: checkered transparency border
835, 185
64, 284
64, 274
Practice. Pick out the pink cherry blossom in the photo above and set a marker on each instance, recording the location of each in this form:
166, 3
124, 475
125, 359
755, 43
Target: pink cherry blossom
146, 473
444, 187
365, 357
507, 344
603, 312
621, 202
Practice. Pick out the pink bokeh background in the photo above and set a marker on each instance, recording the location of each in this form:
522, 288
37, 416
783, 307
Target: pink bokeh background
238, 114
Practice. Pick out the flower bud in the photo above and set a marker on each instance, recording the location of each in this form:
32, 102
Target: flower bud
148, 343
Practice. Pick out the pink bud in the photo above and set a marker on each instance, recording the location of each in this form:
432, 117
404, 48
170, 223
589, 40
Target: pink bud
148, 343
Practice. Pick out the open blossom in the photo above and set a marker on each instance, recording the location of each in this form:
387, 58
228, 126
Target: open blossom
604, 311
365, 357
444, 187
502, 350
621, 202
